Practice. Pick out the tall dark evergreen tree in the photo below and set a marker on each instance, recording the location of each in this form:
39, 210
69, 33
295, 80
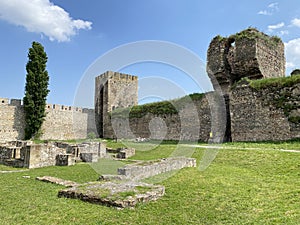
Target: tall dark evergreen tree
36, 90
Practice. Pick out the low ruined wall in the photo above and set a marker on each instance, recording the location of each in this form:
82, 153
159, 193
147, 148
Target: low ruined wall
65, 160
5, 153
269, 113
40, 155
140, 171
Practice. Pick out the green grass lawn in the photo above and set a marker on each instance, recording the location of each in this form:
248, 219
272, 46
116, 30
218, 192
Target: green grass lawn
8, 168
239, 187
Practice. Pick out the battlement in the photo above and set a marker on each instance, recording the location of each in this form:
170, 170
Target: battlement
117, 76
54, 107
57, 107
10, 102
113, 90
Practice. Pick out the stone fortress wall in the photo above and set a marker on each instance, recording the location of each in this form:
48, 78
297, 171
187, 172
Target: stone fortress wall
11, 119
192, 122
61, 122
270, 113
250, 113
254, 116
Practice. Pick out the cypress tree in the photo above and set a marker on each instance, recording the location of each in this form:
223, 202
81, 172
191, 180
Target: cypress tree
36, 90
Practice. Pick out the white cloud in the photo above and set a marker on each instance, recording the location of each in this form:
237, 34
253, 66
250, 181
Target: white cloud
296, 22
271, 9
276, 26
292, 54
264, 12
42, 16
283, 32
273, 5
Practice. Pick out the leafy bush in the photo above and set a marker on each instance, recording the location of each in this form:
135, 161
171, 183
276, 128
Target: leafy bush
295, 72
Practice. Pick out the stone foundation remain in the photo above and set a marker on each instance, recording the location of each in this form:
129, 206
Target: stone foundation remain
55, 180
123, 190
120, 195
147, 169
29, 155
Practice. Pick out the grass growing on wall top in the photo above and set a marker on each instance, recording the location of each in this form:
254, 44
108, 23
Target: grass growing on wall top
275, 82
281, 98
251, 33
158, 108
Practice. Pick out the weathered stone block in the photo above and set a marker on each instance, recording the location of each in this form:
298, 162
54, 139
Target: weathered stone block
147, 169
116, 194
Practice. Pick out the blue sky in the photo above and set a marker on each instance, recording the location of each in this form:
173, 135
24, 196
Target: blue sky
76, 33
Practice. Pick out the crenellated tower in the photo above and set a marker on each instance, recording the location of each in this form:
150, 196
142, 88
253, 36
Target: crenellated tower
113, 90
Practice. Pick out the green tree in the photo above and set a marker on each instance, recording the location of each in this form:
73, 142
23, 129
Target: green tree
295, 72
36, 90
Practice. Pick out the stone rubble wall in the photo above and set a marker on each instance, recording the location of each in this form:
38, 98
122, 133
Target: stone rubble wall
41, 155
255, 115
5, 153
249, 53
271, 60
29, 155
65, 160
92, 151
191, 123
253, 118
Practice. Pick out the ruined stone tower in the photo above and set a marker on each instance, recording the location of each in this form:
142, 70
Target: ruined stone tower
113, 90
249, 53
